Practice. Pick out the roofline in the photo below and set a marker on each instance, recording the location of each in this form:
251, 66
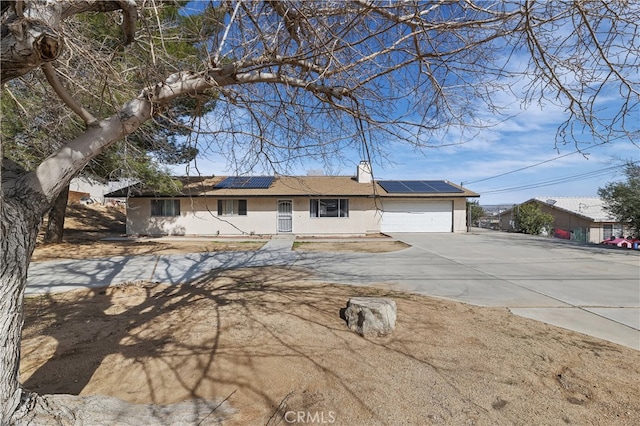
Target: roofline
377, 191
304, 195
613, 220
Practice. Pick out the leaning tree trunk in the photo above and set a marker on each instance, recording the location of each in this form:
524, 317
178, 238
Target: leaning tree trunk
55, 221
33, 38
21, 213
19, 226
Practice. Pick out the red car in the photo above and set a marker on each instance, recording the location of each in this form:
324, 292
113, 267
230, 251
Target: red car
623, 242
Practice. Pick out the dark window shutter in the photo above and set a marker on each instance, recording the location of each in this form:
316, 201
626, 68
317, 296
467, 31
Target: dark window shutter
344, 207
219, 207
242, 207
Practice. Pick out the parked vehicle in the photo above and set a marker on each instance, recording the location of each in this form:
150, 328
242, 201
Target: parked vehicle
630, 243
86, 200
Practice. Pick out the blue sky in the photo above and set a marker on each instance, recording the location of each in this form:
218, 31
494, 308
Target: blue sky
506, 163
519, 159
526, 141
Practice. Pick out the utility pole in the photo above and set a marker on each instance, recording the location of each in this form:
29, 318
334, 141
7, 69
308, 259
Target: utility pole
468, 211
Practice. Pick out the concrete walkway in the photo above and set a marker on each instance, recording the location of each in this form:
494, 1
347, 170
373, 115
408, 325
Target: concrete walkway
591, 290
280, 242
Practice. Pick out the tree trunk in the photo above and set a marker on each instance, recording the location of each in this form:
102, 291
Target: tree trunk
30, 41
22, 208
19, 226
26, 197
55, 222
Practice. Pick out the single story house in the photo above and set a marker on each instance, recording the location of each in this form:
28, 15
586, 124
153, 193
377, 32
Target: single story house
574, 218
303, 205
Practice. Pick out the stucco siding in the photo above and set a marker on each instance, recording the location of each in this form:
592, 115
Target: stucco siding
363, 219
199, 216
301, 205
596, 233
459, 215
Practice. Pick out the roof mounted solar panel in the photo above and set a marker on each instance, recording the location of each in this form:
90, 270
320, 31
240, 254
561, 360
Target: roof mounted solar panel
442, 186
392, 186
233, 182
417, 186
245, 182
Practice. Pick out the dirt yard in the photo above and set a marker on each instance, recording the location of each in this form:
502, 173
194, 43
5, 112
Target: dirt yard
364, 246
273, 342
87, 226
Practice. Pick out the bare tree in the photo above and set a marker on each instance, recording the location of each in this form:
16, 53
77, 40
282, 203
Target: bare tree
303, 78
35, 125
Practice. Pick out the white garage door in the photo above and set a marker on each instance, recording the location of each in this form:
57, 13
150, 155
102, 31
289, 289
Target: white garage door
417, 216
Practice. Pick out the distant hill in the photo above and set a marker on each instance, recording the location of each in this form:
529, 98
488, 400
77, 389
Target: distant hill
495, 209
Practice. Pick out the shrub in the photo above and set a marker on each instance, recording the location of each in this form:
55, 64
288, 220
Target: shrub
530, 219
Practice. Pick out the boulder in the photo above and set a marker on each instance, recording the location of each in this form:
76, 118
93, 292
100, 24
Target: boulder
371, 316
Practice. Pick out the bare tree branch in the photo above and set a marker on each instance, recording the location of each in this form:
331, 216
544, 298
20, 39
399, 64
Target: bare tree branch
55, 83
32, 34
292, 79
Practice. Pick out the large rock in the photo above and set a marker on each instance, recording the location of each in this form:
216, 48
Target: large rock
371, 316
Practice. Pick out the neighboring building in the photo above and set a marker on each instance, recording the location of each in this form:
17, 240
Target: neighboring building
306, 205
575, 218
84, 188
491, 217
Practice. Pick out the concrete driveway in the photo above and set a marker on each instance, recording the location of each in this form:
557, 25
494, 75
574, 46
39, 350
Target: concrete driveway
592, 290
588, 289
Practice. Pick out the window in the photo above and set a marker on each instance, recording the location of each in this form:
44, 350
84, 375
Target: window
232, 207
165, 207
611, 231
329, 207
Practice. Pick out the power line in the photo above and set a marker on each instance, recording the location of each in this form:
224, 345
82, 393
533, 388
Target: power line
533, 165
520, 169
556, 181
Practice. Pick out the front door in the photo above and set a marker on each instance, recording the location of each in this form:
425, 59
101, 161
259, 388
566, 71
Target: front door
285, 216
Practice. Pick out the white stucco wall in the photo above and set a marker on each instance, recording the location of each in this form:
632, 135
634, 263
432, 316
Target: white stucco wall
363, 219
198, 216
459, 215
